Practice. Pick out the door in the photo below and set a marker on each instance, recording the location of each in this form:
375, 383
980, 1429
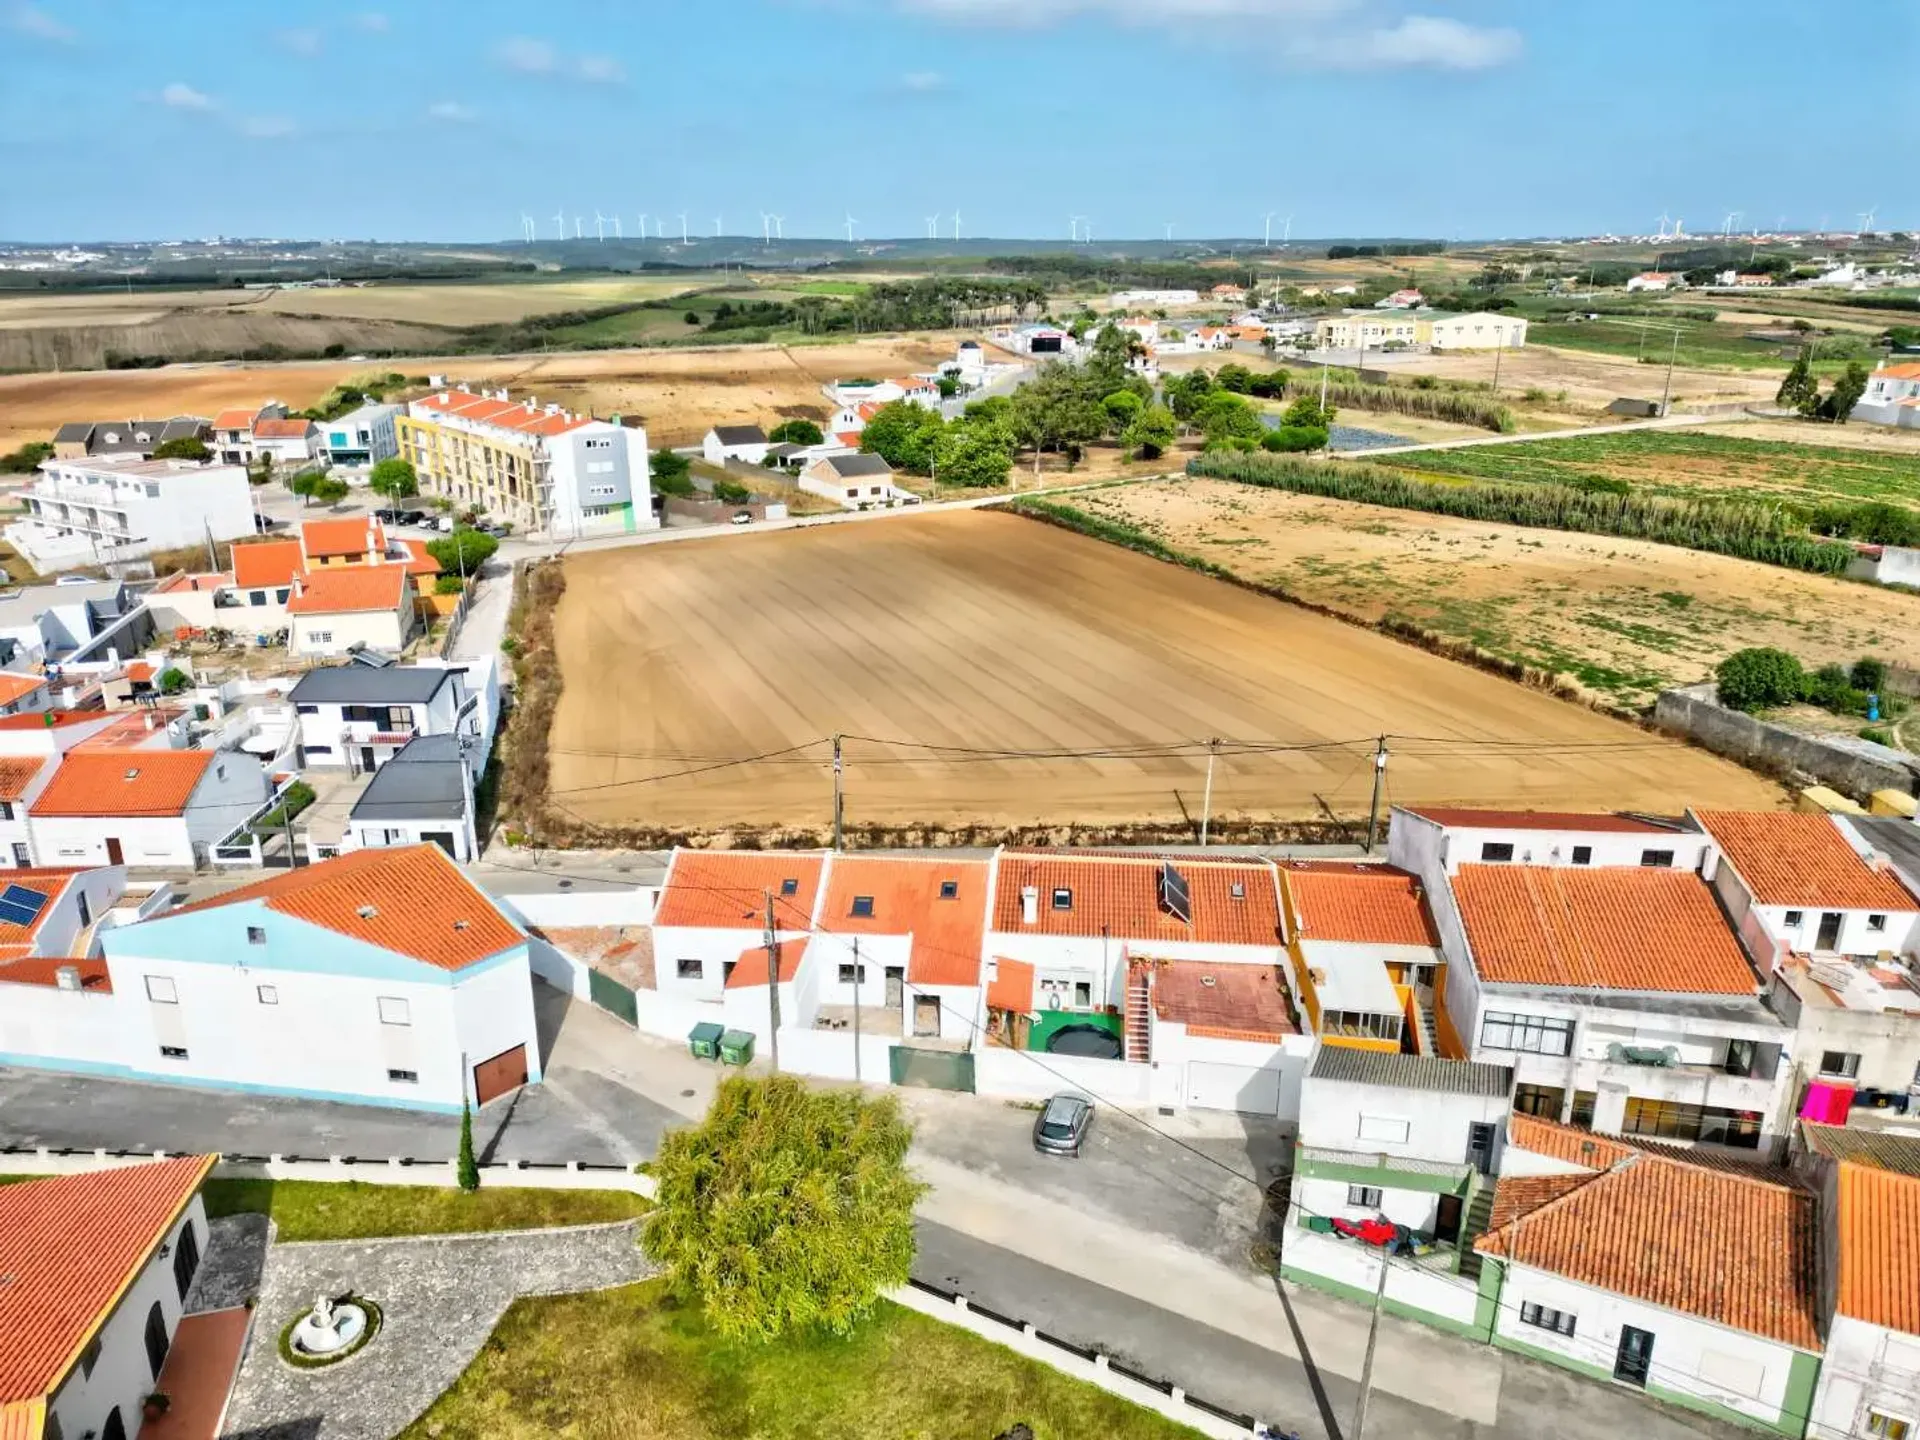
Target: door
367, 762
1829, 937
115, 856
86, 910
896, 987
1446, 1223
442, 838
505, 1071
1480, 1147
115, 1428
926, 1015
1212, 1085
1635, 1357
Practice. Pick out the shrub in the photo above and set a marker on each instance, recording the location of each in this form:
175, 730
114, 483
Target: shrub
1868, 674
731, 493
1290, 438
27, 458
173, 680
448, 585
182, 447
1878, 736
464, 551
467, 1169
1755, 678
795, 432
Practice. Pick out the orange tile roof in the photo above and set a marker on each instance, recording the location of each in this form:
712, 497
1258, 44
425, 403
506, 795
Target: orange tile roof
133, 729
1518, 1195
1369, 904
23, 1419
1250, 1000
267, 563
17, 772
751, 968
905, 896
409, 899
1738, 1250
50, 885
726, 889
235, 419
18, 968
1012, 986
123, 783
418, 561
1600, 822
349, 589
140, 670
505, 414
849, 438
1121, 892
70, 1246
181, 580
1578, 1146
1878, 1227
18, 687
291, 428
50, 719
1613, 928
1899, 372
1793, 859
345, 536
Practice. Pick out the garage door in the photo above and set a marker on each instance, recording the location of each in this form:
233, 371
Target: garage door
1212, 1085
505, 1071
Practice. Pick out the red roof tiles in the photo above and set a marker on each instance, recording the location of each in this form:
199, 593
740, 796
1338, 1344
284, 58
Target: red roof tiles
235, 419
1601, 823
1248, 1000
907, 897
266, 563
726, 889
1612, 928
1878, 1225
16, 773
128, 783
15, 687
1793, 859
291, 428
505, 414
348, 535
349, 590
751, 968
1121, 894
1011, 987
49, 885
1368, 904
70, 1246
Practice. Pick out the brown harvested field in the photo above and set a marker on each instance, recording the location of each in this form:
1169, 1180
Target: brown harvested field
1625, 617
679, 392
1593, 380
988, 633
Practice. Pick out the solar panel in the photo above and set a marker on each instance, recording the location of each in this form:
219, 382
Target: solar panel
1174, 898
20, 906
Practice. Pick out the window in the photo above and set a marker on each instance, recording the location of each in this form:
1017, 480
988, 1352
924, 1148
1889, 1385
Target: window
89, 1358
404, 1077
790, 886
395, 1011
1583, 854
1888, 1427
281, 595
256, 935
1063, 899
1876, 923
1492, 854
863, 905
1383, 1128
1366, 1196
1533, 1034
256, 597
320, 637
1083, 994
690, 969
307, 709
1657, 859
268, 994
1542, 1101
1844, 1063
1583, 1102
186, 1260
847, 975
1672, 1120
1558, 1321
1794, 917
173, 1052
160, 990
949, 889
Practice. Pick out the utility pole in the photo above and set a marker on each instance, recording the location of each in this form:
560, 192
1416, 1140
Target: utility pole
1666, 392
1206, 804
1366, 1366
1498, 350
837, 804
773, 987
856, 1009
1373, 810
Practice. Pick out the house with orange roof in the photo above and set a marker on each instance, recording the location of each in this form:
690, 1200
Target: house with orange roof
1892, 396
716, 906
21, 777
1698, 1284
1590, 953
1365, 954
351, 607
145, 807
54, 987
382, 977
98, 1267
230, 436
19, 693
287, 439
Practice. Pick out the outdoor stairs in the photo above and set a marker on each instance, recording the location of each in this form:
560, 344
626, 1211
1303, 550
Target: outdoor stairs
1428, 1038
1139, 1003
1473, 1226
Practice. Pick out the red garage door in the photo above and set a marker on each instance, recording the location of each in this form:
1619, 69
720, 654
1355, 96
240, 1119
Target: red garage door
505, 1071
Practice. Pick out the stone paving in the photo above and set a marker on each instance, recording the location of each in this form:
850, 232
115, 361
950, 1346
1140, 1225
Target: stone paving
440, 1297
230, 1273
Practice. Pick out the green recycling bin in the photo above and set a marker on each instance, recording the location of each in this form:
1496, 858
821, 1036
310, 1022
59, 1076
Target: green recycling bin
704, 1040
736, 1047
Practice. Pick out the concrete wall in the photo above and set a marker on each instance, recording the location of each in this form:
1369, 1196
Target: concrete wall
374, 629
1016, 1074
1347, 1266
46, 1027
1868, 1368
1340, 1115
1854, 767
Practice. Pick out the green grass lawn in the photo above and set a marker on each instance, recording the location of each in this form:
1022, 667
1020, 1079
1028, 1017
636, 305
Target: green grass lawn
353, 1210
628, 1364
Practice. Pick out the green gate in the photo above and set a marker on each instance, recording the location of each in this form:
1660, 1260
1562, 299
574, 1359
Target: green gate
932, 1069
613, 997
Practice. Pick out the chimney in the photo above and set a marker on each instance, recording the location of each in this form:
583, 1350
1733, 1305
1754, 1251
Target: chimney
67, 977
1030, 905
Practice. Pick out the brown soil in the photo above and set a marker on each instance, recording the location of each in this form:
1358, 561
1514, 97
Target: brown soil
1625, 617
987, 633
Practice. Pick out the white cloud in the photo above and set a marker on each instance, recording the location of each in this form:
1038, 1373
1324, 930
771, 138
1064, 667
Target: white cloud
453, 111
1167, 13
923, 82
266, 127
1418, 40
184, 97
39, 24
602, 70
539, 57
372, 21
300, 42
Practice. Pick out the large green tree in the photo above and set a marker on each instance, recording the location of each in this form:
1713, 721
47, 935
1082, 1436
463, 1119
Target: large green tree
973, 455
786, 1209
1151, 434
182, 447
796, 432
464, 551
394, 478
903, 434
1799, 386
1225, 418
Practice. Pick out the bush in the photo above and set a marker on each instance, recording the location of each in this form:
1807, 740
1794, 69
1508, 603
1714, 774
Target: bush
173, 680
1756, 678
448, 585
182, 447
732, 494
1868, 674
1289, 438
1879, 736
26, 459
464, 551
795, 432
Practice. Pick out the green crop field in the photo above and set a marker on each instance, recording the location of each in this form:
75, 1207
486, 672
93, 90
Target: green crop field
1687, 466
1703, 344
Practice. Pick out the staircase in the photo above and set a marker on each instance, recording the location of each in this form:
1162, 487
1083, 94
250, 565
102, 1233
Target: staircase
1427, 1040
1474, 1224
1139, 1004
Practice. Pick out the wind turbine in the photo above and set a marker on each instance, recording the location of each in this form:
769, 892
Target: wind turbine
576, 227
1866, 220
559, 225
1286, 235
1663, 222
779, 224
643, 224
683, 230
1073, 226
933, 222
616, 228
1726, 232
717, 227
766, 228
1168, 227
1267, 240
600, 226
851, 222
526, 226
956, 224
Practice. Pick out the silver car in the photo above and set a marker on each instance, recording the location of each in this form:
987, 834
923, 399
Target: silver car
1061, 1128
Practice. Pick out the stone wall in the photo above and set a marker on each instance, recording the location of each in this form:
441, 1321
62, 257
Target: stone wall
1850, 765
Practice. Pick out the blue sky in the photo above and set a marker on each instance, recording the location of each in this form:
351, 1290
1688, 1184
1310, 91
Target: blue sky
1358, 117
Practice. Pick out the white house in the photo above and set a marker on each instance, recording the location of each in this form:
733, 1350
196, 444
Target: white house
1401, 300
746, 443
289, 440
230, 436
52, 622
98, 1269
359, 716
383, 977
338, 610
423, 795
1479, 330
142, 807
1157, 298
855, 482
1653, 280
1366, 330
360, 438
713, 914
21, 693
1366, 957
91, 511
1704, 1293
1413, 1140
1892, 396
21, 779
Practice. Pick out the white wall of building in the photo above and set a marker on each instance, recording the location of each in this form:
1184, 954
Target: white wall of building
1257, 1077
337, 634
1348, 1262
135, 508
388, 832
1867, 1369
601, 481
42, 1025
1393, 1120
493, 1012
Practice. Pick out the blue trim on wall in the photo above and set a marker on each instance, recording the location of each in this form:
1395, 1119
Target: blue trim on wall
200, 1082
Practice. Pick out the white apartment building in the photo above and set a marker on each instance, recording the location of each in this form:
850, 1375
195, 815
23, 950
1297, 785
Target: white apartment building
362, 437
97, 511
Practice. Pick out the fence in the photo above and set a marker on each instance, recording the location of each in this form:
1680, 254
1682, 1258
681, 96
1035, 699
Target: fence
459, 617
1022, 1075
1855, 767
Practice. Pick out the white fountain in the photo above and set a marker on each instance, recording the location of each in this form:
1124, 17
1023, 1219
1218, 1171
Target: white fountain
328, 1330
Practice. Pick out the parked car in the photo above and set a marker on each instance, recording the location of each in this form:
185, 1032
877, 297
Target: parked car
394, 516
1062, 1126
741, 517
498, 532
